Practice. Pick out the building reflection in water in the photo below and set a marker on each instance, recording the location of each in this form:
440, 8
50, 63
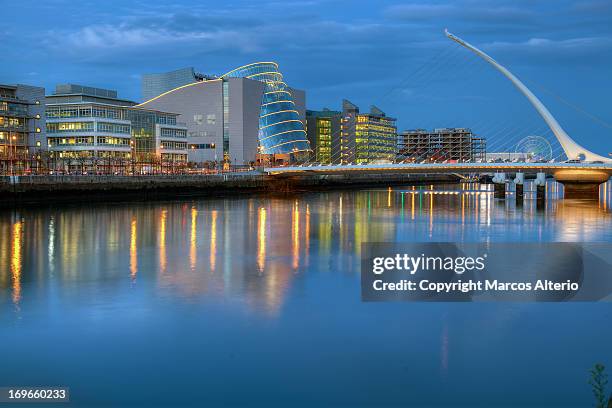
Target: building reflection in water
51, 245
16, 261
213, 240
295, 235
193, 240
133, 248
307, 237
262, 242
163, 261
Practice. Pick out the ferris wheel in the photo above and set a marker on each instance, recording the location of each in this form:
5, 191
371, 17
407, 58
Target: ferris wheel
535, 148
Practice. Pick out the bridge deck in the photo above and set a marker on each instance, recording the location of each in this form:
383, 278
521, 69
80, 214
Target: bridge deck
461, 168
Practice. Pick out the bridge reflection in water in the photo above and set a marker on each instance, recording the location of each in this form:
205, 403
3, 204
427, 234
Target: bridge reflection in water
253, 250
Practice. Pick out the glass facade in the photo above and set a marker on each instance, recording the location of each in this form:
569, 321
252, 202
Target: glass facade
375, 138
322, 128
86, 111
156, 84
13, 124
280, 129
365, 137
91, 123
147, 141
324, 133
70, 127
87, 130
143, 134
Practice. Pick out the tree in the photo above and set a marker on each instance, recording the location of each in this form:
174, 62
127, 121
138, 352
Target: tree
599, 380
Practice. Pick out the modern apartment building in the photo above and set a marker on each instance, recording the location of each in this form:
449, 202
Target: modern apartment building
86, 122
22, 120
321, 126
441, 145
239, 117
364, 137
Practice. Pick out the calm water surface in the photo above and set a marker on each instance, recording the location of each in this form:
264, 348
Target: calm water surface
256, 300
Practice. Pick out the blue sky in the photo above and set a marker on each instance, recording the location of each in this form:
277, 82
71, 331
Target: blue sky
389, 53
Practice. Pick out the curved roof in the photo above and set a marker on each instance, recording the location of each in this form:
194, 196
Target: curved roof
280, 129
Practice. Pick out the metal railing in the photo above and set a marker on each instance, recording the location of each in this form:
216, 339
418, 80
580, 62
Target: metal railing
18, 164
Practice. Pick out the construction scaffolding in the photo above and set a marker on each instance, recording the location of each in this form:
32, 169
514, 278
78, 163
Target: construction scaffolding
445, 145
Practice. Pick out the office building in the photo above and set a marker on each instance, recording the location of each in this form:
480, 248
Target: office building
157, 84
441, 145
93, 123
320, 128
22, 121
245, 115
364, 137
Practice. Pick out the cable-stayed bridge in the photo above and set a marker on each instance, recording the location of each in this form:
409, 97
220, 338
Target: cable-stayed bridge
581, 174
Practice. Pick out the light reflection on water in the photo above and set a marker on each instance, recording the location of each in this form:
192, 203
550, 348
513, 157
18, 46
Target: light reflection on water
209, 267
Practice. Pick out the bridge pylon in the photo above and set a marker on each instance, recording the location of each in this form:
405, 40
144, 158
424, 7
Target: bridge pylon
578, 183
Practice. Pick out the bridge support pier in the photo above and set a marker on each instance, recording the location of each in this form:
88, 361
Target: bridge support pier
519, 194
540, 195
519, 191
499, 185
499, 190
581, 184
540, 185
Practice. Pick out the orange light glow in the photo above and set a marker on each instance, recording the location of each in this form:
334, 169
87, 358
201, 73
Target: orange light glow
133, 249
162, 241
213, 240
295, 233
16, 261
193, 238
261, 239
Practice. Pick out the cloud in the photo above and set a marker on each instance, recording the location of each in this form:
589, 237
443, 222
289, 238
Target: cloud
573, 47
594, 6
420, 11
416, 12
222, 31
184, 21
124, 37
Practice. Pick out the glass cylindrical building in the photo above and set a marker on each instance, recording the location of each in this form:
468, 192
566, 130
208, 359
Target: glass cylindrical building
280, 129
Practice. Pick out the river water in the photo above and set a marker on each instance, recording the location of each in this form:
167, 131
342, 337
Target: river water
256, 301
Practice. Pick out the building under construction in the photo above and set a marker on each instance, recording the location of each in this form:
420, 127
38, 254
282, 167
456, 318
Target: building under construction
441, 145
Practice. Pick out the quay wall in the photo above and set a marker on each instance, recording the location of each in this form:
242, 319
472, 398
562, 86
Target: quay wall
43, 189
